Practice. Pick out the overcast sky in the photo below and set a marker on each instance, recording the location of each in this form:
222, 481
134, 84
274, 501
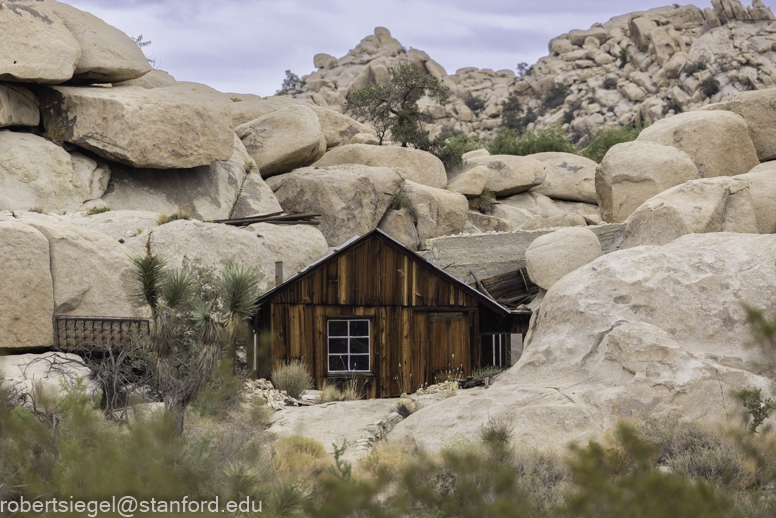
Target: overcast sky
245, 46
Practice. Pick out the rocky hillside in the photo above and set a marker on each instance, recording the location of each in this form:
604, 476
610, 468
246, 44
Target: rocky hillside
636, 68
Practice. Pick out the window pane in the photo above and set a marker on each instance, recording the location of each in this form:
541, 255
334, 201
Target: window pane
338, 363
338, 328
359, 328
359, 362
338, 345
359, 346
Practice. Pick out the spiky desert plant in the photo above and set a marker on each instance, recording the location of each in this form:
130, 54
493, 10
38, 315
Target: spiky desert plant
218, 325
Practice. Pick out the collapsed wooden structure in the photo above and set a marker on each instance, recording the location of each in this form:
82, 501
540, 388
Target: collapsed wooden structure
378, 313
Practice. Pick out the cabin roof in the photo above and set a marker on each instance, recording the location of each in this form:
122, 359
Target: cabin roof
376, 232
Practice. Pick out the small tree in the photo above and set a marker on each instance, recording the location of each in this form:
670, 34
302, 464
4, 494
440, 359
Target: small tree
394, 107
218, 324
291, 85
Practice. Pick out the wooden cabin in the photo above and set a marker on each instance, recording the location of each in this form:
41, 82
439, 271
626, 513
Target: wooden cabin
375, 311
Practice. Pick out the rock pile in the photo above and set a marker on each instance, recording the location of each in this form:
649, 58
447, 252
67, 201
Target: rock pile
633, 69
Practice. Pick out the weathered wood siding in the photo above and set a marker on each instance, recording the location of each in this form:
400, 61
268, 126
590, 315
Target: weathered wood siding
419, 318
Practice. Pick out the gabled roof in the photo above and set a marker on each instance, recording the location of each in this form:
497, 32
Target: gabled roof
356, 240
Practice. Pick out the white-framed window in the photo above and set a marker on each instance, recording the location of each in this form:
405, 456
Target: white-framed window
348, 345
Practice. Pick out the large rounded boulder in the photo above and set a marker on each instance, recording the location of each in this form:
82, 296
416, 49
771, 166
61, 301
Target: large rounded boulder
650, 332
718, 142
416, 165
552, 256
633, 172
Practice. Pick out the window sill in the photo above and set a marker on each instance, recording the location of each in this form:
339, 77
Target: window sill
340, 375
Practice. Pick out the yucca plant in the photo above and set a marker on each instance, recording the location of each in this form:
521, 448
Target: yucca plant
218, 324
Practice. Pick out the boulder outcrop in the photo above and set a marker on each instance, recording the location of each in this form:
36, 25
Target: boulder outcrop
37, 46
628, 336
567, 177
284, 140
92, 273
722, 204
352, 199
633, 172
716, 141
107, 54
204, 192
438, 212
161, 128
208, 245
26, 316
295, 245
758, 110
37, 174
552, 256
509, 174
417, 166
18, 107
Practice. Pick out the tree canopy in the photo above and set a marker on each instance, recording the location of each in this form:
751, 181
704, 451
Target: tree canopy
393, 108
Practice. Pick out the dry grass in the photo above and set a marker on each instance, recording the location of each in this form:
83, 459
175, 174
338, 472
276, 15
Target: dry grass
387, 458
55, 134
300, 460
168, 218
331, 392
294, 378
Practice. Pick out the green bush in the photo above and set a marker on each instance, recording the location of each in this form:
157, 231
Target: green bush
293, 377
610, 83
511, 111
449, 148
510, 142
605, 139
97, 210
709, 86
221, 393
623, 59
692, 68
474, 103
555, 96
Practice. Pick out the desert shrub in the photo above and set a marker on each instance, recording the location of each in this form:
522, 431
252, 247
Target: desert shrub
221, 393
484, 201
97, 210
474, 103
508, 142
670, 105
709, 86
605, 139
695, 450
300, 460
293, 377
387, 458
39, 210
568, 116
401, 201
623, 58
757, 407
555, 96
610, 83
691, 68
545, 477
643, 47
622, 480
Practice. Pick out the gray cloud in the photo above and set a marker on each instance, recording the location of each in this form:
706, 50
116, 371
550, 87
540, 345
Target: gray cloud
246, 45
